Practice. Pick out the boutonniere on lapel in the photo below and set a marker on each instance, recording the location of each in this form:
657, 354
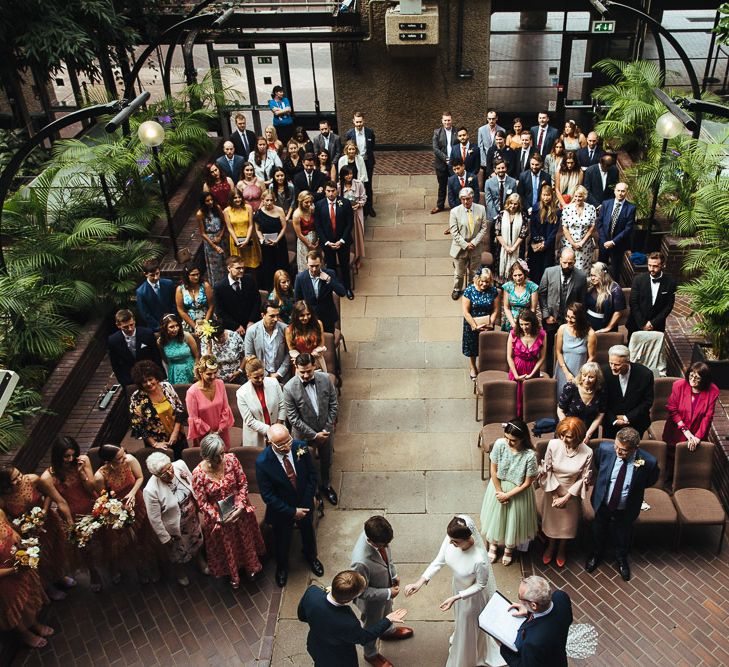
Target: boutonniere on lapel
509, 191
300, 451
340, 202
638, 463
469, 179
143, 345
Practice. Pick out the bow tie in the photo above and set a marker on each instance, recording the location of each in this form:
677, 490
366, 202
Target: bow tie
655, 281
308, 382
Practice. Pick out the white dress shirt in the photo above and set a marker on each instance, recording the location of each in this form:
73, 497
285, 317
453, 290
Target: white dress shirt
654, 289
310, 390
624, 379
361, 143
270, 345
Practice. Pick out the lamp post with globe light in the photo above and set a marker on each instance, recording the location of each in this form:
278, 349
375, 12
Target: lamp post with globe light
152, 135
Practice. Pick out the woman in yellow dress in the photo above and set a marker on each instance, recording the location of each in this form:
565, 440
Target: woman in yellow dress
242, 230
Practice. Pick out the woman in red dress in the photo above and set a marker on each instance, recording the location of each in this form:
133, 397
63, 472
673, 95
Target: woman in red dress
19, 494
217, 184
73, 478
236, 541
122, 475
21, 593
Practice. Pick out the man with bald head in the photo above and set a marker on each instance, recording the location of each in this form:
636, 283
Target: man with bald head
591, 153
560, 286
230, 164
615, 229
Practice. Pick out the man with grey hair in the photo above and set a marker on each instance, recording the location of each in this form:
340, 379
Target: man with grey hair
468, 226
629, 388
624, 472
542, 638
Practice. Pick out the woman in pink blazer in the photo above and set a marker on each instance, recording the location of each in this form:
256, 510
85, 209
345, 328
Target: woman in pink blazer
690, 410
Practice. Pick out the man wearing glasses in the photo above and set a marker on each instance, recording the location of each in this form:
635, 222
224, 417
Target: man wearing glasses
542, 637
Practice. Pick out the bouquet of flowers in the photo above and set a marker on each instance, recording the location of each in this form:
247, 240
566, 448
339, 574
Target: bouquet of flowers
26, 554
110, 511
30, 522
204, 329
83, 530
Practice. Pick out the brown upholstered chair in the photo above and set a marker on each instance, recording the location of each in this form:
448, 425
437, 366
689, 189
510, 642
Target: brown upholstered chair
540, 400
499, 405
623, 320
604, 342
661, 393
662, 510
491, 361
696, 504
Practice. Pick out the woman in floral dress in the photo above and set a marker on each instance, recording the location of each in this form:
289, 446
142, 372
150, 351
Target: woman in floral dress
235, 542
212, 231
194, 298
481, 304
525, 352
229, 351
19, 494
578, 224
303, 223
519, 293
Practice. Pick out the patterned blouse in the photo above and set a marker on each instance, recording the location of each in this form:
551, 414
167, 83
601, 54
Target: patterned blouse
145, 420
514, 467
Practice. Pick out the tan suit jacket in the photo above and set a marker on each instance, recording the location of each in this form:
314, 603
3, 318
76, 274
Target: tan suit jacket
460, 235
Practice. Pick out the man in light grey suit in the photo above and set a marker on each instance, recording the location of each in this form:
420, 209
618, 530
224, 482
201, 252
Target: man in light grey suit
468, 227
497, 189
311, 409
372, 558
560, 286
267, 340
486, 137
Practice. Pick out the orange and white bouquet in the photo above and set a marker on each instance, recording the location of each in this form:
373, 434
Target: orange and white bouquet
83, 530
26, 554
30, 522
111, 511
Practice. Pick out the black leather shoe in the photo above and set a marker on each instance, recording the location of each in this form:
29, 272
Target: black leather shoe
330, 494
316, 567
591, 564
624, 569
372, 213
456, 294
282, 577
350, 294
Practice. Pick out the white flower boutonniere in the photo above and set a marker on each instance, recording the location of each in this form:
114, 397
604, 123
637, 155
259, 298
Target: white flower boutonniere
300, 452
638, 463
469, 151
509, 191
340, 202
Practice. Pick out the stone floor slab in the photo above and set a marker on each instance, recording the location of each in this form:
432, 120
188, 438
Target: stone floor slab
396, 266
445, 383
409, 285
444, 355
435, 232
391, 416
399, 233
444, 329
395, 306
439, 266
401, 491
359, 381
417, 451
348, 359
380, 249
376, 285
426, 181
391, 355
352, 309
422, 217
390, 183
454, 491
397, 329
394, 383
418, 536
449, 415
441, 305
425, 249
361, 329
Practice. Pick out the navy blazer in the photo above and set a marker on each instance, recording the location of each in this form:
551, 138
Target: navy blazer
323, 224
542, 642
121, 358
524, 187
280, 496
550, 136
152, 307
323, 305
508, 155
318, 180
369, 139
643, 477
224, 165
237, 309
583, 156
596, 193
454, 187
623, 228
334, 631
241, 150
473, 157
641, 308
635, 405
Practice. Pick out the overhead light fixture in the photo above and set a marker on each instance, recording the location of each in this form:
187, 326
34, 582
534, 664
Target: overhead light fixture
673, 107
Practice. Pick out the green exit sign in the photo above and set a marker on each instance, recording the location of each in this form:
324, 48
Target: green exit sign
603, 26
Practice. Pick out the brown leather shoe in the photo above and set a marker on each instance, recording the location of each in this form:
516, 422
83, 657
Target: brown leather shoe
446, 231
436, 209
379, 660
399, 633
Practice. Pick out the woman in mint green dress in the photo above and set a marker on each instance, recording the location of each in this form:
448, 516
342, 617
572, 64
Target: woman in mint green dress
179, 350
509, 511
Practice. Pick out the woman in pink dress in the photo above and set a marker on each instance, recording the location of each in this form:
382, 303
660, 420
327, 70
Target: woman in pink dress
232, 542
525, 352
207, 404
251, 187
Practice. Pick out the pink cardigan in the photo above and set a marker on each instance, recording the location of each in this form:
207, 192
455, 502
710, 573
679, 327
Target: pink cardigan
205, 416
696, 420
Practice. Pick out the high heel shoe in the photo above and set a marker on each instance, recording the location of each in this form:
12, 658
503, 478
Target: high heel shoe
561, 561
492, 553
507, 558
547, 559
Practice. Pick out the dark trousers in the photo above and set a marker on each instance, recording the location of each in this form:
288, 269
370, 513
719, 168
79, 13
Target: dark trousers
339, 257
613, 258
442, 176
551, 331
617, 523
325, 459
369, 206
282, 540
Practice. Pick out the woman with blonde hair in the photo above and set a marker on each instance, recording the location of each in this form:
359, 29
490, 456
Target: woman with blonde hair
512, 229
303, 223
585, 398
352, 159
272, 140
283, 294
207, 403
238, 216
604, 300
578, 226
481, 304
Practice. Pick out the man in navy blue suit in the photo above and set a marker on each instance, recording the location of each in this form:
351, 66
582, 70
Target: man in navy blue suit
624, 472
466, 151
542, 637
230, 164
591, 153
334, 221
462, 178
287, 481
155, 296
600, 180
129, 345
543, 135
334, 630
615, 229
530, 183
316, 286
364, 137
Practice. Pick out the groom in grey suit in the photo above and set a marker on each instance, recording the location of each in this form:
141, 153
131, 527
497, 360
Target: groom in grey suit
266, 339
311, 409
372, 558
468, 227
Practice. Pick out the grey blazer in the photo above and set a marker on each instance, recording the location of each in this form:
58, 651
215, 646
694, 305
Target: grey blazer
305, 423
491, 192
460, 236
254, 344
335, 146
374, 602
550, 286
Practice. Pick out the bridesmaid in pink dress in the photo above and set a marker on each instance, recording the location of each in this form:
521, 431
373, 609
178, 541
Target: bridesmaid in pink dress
207, 404
525, 352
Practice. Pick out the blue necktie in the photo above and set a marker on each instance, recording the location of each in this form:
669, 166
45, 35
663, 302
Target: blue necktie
535, 190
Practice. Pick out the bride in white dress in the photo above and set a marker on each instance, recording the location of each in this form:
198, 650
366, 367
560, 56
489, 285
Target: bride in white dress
464, 552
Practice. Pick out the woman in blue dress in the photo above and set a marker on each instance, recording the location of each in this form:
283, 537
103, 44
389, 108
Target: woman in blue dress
574, 344
604, 300
212, 231
481, 304
179, 350
194, 298
519, 293
283, 118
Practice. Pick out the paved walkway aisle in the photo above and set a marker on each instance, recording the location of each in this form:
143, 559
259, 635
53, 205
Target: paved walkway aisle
405, 444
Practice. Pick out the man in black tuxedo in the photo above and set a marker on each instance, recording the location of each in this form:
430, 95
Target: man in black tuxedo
287, 481
243, 140
129, 345
311, 179
444, 138
364, 137
624, 472
334, 221
316, 286
600, 180
229, 163
629, 389
237, 301
501, 152
530, 183
334, 629
542, 637
591, 154
615, 228
467, 151
652, 296
327, 141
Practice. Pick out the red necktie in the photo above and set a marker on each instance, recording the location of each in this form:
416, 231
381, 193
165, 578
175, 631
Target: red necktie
540, 141
618, 488
383, 553
463, 152
333, 218
290, 472
463, 182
